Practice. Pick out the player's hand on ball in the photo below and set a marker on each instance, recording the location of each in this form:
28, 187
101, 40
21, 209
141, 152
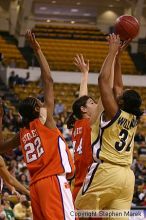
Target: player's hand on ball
32, 40
123, 46
81, 64
114, 43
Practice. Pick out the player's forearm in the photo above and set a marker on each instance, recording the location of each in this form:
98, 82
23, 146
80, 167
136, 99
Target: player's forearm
118, 73
84, 85
106, 68
45, 69
111, 77
14, 182
10, 187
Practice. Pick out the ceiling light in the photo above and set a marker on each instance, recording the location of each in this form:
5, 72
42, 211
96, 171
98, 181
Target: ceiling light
43, 8
56, 12
111, 6
72, 22
74, 10
78, 3
53, 2
87, 14
48, 20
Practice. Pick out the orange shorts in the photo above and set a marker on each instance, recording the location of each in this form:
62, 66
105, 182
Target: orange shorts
51, 199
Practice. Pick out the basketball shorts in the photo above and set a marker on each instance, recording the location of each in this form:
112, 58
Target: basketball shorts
51, 199
107, 186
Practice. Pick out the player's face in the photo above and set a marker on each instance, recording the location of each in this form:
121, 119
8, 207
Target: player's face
91, 106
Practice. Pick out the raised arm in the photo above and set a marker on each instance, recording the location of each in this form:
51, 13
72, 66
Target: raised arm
8, 178
118, 83
107, 96
100, 108
84, 68
46, 78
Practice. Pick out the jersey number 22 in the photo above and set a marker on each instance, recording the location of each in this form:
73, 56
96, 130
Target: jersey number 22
33, 150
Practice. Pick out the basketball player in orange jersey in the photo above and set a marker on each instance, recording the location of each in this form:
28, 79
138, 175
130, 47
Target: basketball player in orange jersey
45, 152
111, 183
81, 133
83, 119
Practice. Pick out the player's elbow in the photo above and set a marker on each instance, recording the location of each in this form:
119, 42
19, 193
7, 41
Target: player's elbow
48, 80
102, 79
117, 90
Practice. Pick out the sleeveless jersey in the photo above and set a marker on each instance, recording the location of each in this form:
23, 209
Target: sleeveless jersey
95, 130
115, 140
45, 151
81, 137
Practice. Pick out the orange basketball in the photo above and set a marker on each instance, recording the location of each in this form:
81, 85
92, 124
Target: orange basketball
127, 27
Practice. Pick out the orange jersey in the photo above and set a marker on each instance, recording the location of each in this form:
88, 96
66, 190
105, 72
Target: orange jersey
45, 151
81, 138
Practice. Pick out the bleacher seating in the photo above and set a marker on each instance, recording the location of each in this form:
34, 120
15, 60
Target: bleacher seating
61, 43
66, 92
60, 54
68, 32
11, 53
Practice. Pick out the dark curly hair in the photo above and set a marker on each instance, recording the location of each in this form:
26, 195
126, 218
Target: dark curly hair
132, 102
27, 110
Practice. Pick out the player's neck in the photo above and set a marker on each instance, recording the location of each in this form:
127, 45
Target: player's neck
85, 116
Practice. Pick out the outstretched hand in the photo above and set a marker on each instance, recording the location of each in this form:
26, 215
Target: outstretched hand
81, 64
114, 43
30, 37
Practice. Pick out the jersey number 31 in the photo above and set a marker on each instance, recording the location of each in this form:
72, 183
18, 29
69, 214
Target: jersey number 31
122, 144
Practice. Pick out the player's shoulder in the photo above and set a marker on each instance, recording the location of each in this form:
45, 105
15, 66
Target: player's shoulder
126, 114
83, 121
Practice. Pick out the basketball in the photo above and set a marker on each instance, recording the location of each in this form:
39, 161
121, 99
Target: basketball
127, 27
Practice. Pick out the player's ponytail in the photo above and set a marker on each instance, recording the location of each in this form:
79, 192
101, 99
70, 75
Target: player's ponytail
77, 113
132, 103
71, 121
27, 111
